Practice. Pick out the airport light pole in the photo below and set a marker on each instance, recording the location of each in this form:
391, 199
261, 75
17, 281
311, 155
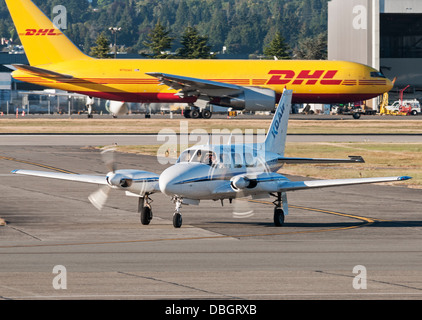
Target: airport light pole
114, 31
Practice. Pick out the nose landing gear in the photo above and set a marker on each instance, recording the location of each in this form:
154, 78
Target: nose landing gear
177, 216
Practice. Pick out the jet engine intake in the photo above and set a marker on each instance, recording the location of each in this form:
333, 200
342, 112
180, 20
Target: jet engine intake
117, 108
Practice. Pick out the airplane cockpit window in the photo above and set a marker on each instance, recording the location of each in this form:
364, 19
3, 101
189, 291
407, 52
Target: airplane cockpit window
377, 74
186, 156
202, 156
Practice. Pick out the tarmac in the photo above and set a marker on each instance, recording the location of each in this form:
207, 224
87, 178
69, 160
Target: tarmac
334, 240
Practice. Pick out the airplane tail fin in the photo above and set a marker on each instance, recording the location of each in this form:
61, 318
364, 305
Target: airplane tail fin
43, 42
275, 140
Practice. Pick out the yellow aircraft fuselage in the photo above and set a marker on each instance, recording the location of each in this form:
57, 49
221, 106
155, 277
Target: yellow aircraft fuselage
48, 49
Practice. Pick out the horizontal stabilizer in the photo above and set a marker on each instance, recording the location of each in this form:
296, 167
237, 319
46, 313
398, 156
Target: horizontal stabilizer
43, 72
351, 159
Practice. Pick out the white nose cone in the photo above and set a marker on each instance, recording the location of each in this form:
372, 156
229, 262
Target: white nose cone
167, 181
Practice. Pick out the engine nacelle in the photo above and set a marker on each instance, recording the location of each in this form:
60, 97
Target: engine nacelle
116, 108
242, 182
251, 99
119, 180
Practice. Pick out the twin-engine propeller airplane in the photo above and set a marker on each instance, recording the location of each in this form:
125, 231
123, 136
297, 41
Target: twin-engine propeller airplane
217, 172
250, 85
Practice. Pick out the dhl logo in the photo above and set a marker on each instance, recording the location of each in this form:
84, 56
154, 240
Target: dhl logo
41, 32
311, 77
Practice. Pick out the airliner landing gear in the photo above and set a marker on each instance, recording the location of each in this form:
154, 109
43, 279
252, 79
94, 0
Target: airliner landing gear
177, 216
144, 209
280, 209
194, 112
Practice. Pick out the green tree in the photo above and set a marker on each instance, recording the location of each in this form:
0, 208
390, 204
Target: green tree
102, 49
278, 48
159, 41
194, 46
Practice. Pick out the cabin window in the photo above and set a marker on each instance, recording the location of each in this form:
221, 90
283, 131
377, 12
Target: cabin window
237, 160
250, 160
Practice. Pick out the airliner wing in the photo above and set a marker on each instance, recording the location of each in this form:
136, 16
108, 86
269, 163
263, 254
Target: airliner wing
64, 176
300, 185
196, 86
352, 159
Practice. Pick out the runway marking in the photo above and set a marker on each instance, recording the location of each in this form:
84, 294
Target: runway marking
368, 221
36, 164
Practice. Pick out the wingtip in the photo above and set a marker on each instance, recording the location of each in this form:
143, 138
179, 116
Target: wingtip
14, 171
404, 178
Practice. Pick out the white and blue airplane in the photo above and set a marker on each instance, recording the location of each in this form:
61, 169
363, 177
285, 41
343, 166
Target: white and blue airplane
217, 172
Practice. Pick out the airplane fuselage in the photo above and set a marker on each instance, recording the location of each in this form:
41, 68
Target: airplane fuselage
126, 79
202, 172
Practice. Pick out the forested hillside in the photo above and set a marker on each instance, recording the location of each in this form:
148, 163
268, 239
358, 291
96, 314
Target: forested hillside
242, 26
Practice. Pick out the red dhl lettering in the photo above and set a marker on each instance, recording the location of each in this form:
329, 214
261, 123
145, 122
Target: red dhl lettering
41, 32
282, 77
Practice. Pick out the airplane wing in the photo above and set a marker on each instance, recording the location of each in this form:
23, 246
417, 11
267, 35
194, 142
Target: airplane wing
134, 181
64, 176
352, 159
196, 86
275, 182
300, 185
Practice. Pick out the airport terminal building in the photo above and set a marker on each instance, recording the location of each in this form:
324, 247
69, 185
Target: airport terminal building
384, 34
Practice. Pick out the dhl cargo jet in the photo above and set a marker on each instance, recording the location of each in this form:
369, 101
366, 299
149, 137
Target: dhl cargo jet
250, 85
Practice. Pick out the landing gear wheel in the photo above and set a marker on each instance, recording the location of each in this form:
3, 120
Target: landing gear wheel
356, 115
186, 113
177, 220
278, 217
146, 215
194, 114
206, 114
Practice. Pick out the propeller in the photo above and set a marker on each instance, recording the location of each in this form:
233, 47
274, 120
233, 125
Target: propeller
255, 165
99, 197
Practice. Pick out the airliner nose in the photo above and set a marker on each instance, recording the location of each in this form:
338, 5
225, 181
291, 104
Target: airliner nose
389, 85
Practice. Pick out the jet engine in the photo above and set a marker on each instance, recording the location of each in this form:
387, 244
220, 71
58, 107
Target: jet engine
251, 99
116, 108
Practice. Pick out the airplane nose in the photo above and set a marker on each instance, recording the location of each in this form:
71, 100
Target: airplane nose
389, 85
168, 181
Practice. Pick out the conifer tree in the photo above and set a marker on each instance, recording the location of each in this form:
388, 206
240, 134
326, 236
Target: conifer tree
159, 41
102, 49
278, 48
194, 46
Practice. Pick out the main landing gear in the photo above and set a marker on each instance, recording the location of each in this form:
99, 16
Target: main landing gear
144, 210
281, 208
196, 113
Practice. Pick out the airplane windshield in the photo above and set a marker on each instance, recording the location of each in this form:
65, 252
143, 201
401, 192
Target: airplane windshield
202, 156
